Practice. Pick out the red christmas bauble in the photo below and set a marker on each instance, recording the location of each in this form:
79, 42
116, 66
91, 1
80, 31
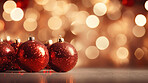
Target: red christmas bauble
32, 56
6, 56
62, 56
16, 45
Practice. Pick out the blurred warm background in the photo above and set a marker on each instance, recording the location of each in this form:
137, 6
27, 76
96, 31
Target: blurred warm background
106, 33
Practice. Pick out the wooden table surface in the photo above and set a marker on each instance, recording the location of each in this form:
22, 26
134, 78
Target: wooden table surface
78, 75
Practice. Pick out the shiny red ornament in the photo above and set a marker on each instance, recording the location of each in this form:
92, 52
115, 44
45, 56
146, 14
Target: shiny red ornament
32, 55
62, 56
128, 2
16, 45
22, 3
6, 56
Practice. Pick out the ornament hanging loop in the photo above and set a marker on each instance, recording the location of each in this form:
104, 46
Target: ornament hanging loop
17, 41
31, 38
50, 42
60, 39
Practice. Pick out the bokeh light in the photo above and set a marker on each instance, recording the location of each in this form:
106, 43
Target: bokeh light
121, 39
61, 8
17, 14
92, 21
30, 24
76, 44
102, 43
138, 31
87, 3
139, 53
140, 20
115, 29
54, 23
128, 14
92, 35
2, 25
97, 1
56, 33
50, 5
146, 5
122, 53
43, 34
32, 13
9, 6
114, 10
6, 16
41, 2
80, 17
77, 29
115, 15
92, 52
99, 9
72, 11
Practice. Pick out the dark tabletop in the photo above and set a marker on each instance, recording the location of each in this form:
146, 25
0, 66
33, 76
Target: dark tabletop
79, 75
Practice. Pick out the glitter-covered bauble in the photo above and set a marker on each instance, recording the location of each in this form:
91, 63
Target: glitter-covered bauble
62, 56
6, 55
32, 55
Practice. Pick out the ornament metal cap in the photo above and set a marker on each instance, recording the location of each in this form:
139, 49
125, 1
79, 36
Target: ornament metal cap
1, 40
8, 38
31, 38
17, 41
60, 39
50, 42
